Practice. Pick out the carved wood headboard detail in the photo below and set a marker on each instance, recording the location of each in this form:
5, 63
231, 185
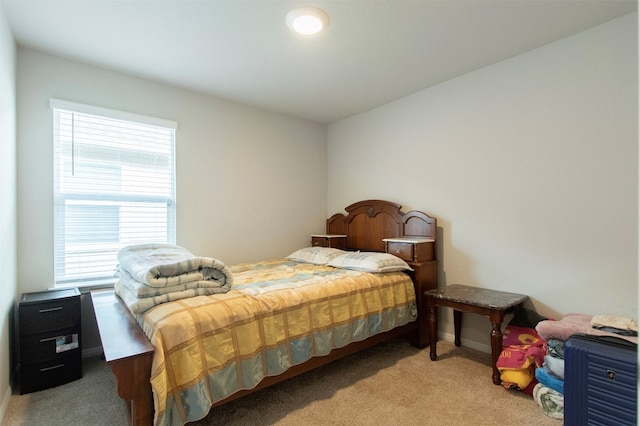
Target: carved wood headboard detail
368, 222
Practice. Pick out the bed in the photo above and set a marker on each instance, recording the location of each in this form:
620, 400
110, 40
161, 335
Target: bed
339, 311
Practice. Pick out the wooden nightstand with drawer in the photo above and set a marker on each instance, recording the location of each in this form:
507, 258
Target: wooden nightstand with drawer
50, 352
420, 254
411, 249
329, 240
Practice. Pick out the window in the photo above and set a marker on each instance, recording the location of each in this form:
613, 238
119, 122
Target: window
114, 185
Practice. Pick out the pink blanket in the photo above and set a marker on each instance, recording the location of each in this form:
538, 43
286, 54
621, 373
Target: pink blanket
572, 324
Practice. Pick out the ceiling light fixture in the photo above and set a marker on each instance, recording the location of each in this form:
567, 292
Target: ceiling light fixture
307, 20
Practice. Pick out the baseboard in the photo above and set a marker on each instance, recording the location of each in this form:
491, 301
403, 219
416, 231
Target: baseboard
91, 352
466, 343
4, 403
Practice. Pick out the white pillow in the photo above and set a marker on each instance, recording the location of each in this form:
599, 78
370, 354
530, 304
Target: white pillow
370, 262
315, 255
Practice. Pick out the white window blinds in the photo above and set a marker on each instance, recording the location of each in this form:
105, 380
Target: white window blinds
114, 185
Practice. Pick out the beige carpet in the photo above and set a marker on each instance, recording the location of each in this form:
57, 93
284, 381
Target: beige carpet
92, 400
390, 384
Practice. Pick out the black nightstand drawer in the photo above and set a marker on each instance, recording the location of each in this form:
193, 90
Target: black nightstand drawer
43, 375
49, 315
49, 345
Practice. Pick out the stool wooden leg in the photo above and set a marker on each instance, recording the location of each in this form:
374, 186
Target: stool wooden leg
457, 326
433, 330
496, 344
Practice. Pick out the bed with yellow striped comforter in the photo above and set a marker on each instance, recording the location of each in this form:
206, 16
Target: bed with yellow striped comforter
278, 314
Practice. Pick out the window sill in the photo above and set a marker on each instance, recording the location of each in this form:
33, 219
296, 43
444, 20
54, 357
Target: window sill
88, 286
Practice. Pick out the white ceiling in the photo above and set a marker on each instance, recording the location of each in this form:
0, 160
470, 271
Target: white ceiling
372, 53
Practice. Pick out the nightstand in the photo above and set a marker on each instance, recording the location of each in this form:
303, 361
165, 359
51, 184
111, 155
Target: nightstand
411, 249
420, 254
49, 332
329, 240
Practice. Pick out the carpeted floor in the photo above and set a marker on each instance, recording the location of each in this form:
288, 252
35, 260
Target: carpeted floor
389, 384
92, 400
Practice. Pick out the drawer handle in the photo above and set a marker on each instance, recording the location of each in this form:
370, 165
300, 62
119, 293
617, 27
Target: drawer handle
48, 339
42, 370
399, 251
59, 308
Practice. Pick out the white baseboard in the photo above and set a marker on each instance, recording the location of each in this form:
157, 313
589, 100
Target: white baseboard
91, 352
466, 343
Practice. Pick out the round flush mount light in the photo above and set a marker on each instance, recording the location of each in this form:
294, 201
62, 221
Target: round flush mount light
307, 20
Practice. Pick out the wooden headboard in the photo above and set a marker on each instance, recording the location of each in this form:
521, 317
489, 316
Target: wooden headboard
368, 222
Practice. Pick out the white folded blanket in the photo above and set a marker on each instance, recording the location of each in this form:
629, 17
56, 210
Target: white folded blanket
551, 401
139, 305
165, 265
222, 283
151, 274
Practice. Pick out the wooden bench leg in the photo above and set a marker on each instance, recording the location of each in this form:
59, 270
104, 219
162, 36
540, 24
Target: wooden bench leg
496, 343
433, 330
457, 326
133, 379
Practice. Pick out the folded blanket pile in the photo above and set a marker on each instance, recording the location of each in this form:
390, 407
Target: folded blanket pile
580, 323
549, 392
150, 274
522, 352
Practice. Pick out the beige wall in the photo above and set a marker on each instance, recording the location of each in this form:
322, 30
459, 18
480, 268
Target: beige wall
530, 166
251, 184
8, 285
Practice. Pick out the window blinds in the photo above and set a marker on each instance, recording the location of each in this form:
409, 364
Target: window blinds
114, 185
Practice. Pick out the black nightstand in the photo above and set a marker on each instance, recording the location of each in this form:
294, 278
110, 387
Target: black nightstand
50, 352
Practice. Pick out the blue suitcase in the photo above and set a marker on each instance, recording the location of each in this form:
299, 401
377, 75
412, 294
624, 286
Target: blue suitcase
600, 381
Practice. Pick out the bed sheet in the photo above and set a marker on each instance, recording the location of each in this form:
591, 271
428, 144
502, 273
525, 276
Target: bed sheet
278, 314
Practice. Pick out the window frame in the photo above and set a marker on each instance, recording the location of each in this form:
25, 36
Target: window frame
61, 198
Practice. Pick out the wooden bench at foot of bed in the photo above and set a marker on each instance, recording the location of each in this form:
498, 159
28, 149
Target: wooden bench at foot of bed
129, 354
